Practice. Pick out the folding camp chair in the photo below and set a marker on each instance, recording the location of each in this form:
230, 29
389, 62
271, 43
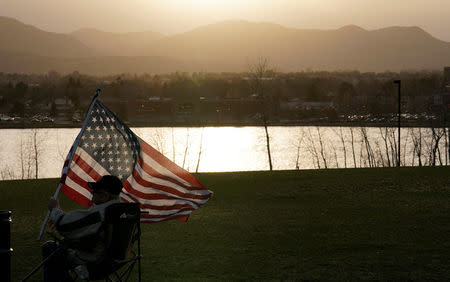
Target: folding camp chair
122, 230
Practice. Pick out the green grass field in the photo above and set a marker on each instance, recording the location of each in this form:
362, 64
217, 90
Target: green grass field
352, 224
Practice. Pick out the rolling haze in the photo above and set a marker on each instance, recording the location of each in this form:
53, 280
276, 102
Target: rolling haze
177, 16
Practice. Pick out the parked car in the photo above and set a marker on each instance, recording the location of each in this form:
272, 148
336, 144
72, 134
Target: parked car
4, 117
41, 118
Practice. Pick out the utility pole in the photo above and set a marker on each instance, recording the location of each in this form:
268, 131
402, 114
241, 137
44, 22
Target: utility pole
399, 83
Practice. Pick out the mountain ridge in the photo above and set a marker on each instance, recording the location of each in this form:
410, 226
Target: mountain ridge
17, 36
225, 46
116, 43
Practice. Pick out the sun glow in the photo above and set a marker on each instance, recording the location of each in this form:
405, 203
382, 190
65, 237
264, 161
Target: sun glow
210, 6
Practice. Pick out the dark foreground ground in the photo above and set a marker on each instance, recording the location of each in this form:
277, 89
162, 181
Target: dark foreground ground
353, 224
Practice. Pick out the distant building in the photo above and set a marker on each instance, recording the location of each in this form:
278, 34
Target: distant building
63, 104
447, 76
260, 78
317, 105
441, 102
447, 79
296, 104
291, 105
437, 99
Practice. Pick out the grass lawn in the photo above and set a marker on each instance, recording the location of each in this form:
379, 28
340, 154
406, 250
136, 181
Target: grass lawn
339, 224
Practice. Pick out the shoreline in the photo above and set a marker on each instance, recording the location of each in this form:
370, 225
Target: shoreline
405, 124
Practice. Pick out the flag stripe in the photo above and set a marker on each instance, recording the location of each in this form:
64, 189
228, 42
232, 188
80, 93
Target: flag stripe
80, 189
162, 185
141, 191
183, 218
78, 180
163, 164
74, 195
86, 167
164, 203
152, 175
161, 210
183, 210
154, 196
81, 173
167, 207
164, 189
146, 164
90, 166
158, 204
92, 162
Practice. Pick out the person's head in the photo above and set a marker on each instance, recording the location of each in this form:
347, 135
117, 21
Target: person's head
105, 189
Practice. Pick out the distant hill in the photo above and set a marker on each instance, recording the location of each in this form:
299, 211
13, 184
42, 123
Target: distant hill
105, 65
224, 46
347, 48
117, 44
18, 37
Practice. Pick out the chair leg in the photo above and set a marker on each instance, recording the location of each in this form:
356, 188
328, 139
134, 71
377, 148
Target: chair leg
139, 268
139, 256
129, 270
40, 265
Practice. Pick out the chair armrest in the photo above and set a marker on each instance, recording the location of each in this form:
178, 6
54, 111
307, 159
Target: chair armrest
123, 261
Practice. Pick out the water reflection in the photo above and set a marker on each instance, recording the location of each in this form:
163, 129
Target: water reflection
216, 149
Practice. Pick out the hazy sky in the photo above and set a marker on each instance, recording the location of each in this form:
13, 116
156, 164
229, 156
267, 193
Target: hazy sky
174, 16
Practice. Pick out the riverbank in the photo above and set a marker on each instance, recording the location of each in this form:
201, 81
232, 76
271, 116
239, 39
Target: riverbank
338, 224
67, 124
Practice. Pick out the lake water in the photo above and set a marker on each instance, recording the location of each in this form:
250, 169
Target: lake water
232, 148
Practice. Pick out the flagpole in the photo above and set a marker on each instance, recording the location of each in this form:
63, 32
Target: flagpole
70, 157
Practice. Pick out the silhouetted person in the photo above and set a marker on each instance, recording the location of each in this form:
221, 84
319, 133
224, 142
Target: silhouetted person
81, 230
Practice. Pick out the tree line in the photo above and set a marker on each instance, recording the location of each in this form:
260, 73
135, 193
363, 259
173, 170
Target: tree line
25, 94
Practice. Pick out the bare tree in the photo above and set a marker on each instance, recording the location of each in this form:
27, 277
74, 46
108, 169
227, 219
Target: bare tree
437, 134
158, 140
322, 149
311, 147
413, 151
26, 155
406, 138
392, 145
362, 160
186, 147
173, 147
22, 158
299, 144
385, 137
379, 153
353, 146
447, 145
199, 150
36, 153
7, 173
369, 151
37, 150
61, 155
340, 134
335, 155
428, 147
258, 73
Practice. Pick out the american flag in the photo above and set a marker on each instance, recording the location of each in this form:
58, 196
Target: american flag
106, 146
